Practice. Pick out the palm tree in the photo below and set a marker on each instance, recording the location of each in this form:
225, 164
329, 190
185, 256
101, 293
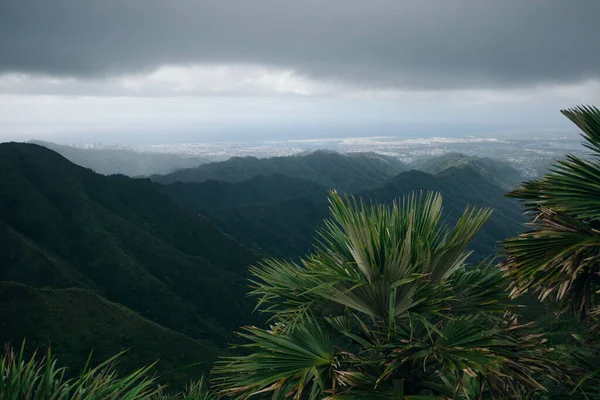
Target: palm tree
386, 308
559, 256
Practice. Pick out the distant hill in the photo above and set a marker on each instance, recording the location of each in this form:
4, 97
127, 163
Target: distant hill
63, 226
123, 161
499, 172
277, 215
346, 172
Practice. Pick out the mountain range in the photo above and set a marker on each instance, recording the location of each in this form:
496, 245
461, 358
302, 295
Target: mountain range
159, 265
277, 214
499, 172
345, 172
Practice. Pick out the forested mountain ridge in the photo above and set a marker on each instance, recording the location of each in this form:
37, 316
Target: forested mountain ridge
281, 228
282, 223
499, 172
64, 226
346, 172
213, 194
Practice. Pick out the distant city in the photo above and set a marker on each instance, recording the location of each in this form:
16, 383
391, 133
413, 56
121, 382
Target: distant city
529, 152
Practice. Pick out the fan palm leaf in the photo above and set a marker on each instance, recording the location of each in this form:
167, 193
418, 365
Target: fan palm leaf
282, 365
375, 260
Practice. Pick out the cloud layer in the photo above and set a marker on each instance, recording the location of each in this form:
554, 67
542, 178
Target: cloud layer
367, 45
292, 67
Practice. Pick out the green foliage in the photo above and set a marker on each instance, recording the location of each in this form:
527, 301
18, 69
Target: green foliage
196, 390
274, 215
281, 363
283, 228
386, 308
459, 187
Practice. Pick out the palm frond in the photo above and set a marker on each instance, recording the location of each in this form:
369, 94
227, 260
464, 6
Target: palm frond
572, 186
560, 257
587, 118
480, 289
387, 260
297, 361
468, 348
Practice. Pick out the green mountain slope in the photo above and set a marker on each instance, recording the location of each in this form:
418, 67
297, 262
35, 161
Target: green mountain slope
257, 211
75, 321
66, 226
212, 194
346, 172
123, 161
460, 186
498, 172
284, 226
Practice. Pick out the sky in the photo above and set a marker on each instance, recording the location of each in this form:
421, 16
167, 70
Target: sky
158, 70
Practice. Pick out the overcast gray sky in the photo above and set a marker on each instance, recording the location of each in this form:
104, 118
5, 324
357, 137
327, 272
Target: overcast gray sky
129, 65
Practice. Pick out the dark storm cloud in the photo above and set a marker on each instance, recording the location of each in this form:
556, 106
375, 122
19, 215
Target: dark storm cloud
378, 44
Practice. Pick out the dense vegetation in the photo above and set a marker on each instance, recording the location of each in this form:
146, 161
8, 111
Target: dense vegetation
260, 189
